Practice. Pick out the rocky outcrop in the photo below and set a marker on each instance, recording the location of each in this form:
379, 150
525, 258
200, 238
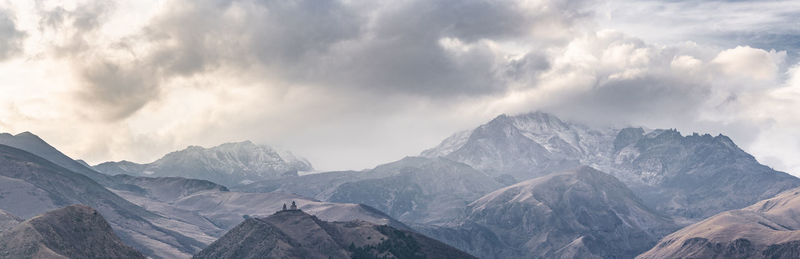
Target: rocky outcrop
75, 231
295, 234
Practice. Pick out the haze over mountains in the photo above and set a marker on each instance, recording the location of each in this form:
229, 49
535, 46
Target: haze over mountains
525, 186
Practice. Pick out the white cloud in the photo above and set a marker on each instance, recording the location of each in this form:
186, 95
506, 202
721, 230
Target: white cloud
744, 61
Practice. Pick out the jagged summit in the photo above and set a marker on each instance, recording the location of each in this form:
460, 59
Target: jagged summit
229, 164
525, 146
670, 171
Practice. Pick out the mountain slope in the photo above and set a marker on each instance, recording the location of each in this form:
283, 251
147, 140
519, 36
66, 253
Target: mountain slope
223, 209
35, 145
8, 221
413, 189
766, 229
228, 164
75, 231
417, 189
210, 209
689, 177
295, 234
163, 230
318, 186
32, 185
581, 213
164, 188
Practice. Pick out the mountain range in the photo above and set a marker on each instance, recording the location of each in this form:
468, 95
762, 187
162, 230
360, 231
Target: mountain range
32, 185
670, 179
523, 186
690, 177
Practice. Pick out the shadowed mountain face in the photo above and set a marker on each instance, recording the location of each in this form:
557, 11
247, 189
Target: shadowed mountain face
33, 144
690, 177
295, 234
164, 188
417, 189
227, 164
766, 229
31, 185
75, 231
582, 213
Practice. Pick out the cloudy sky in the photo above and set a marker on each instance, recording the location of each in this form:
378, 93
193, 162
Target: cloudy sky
351, 84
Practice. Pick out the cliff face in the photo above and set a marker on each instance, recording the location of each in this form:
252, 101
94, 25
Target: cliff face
75, 231
295, 234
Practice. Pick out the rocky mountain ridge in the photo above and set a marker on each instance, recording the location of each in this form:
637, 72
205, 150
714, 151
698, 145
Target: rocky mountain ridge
766, 229
689, 177
295, 234
75, 231
228, 164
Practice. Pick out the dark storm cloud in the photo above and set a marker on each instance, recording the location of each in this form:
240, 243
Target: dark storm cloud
115, 91
379, 48
10, 36
76, 24
386, 49
646, 100
110, 89
402, 52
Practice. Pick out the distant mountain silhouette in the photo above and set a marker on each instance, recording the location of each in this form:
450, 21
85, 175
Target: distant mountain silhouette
228, 164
